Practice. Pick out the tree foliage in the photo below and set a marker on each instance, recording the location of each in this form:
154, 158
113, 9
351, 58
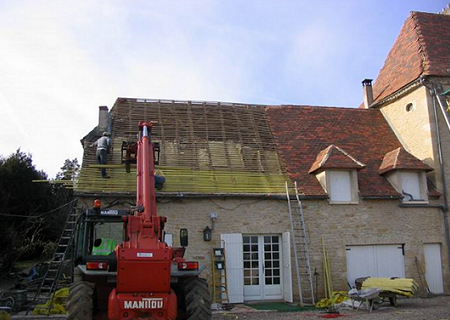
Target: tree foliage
29, 220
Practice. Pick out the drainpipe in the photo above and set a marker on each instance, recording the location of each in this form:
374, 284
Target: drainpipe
444, 209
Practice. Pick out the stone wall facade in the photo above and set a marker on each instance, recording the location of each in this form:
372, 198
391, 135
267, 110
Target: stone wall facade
373, 222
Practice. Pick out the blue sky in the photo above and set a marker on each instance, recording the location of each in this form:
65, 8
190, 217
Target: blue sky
60, 60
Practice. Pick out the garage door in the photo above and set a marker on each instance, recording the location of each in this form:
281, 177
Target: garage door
380, 261
433, 267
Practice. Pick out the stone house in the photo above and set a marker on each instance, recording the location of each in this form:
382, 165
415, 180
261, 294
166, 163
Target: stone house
369, 179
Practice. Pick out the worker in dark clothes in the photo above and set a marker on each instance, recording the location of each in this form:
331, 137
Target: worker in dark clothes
103, 146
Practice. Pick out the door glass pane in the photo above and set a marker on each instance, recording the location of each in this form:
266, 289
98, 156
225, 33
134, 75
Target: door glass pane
251, 260
272, 274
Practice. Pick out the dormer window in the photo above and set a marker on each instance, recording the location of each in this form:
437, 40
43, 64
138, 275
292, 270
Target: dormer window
342, 186
407, 175
410, 184
336, 171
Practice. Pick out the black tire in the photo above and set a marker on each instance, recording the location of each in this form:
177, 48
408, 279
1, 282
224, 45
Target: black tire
80, 302
197, 300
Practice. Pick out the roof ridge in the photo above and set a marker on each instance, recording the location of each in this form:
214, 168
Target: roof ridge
396, 157
422, 46
348, 155
327, 154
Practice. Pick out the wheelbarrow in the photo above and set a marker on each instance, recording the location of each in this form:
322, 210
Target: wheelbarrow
368, 296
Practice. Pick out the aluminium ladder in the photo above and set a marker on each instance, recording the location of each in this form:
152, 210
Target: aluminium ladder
49, 283
301, 248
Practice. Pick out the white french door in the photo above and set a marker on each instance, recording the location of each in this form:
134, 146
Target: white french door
262, 267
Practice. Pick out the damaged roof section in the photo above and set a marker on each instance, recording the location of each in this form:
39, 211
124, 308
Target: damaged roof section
205, 148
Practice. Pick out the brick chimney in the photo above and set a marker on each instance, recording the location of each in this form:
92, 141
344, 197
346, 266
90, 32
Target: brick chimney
368, 94
103, 118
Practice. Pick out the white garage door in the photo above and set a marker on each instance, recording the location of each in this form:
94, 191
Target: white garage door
379, 261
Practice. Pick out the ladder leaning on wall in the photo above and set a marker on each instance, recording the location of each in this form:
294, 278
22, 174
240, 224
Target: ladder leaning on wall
219, 276
301, 248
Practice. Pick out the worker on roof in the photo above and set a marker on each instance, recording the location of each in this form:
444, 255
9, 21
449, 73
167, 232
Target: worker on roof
103, 147
159, 179
103, 247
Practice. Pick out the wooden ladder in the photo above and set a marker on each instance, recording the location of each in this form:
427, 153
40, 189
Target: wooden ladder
219, 276
301, 248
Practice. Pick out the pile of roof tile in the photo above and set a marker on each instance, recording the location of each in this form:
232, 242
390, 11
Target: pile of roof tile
404, 287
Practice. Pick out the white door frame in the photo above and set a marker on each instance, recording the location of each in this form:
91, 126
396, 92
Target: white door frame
263, 267
233, 244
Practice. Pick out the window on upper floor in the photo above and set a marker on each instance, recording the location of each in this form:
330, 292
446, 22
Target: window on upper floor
407, 174
413, 186
341, 185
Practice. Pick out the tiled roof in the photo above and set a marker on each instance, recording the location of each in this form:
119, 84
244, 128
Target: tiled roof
334, 157
214, 148
400, 159
302, 132
421, 48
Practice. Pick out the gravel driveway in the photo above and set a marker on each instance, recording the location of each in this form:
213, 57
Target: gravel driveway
436, 308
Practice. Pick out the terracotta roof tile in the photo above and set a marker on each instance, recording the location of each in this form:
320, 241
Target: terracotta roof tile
334, 157
421, 48
302, 132
400, 159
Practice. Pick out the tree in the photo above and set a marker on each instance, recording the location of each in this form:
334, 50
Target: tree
69, 171
27, 209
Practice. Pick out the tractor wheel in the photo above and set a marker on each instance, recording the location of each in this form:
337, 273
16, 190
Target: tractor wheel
197, 299
80, 302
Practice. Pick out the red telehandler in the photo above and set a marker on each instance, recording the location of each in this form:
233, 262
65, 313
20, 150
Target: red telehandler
143, 278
